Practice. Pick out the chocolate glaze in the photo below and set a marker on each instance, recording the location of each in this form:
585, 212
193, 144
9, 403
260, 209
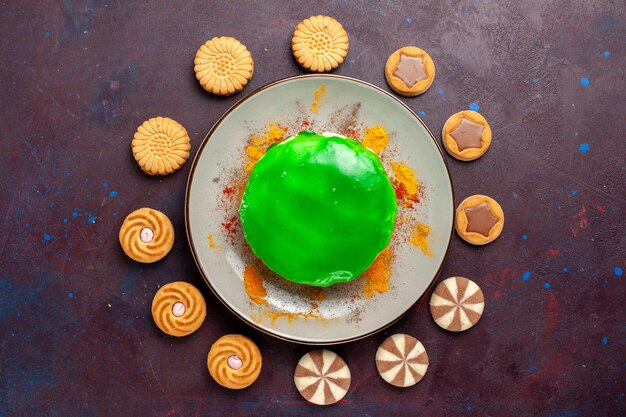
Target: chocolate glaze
410, 70
468, 134
480, 219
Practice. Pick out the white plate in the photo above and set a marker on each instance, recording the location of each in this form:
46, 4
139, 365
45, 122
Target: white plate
345, 314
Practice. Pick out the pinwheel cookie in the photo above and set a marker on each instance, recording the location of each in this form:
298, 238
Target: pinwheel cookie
466, 135
160, 146
402, 360
178, 308
234, 361
223, 66
322, 377
319, 43
146, 235
457, 304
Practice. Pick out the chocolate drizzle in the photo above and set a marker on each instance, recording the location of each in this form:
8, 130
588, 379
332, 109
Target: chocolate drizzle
468, 135
410, 70
480, 219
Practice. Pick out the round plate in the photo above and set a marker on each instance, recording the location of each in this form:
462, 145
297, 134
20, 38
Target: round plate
294, 312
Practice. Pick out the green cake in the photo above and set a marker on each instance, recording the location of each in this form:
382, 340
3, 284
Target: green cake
318, 209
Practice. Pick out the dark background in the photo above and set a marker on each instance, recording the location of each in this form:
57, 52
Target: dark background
78, 77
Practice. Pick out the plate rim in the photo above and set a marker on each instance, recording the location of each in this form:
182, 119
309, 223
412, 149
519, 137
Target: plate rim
190, 178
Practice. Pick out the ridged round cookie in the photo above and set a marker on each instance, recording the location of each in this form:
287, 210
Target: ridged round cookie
410, 71
178, 308
322, 377
466, 135
479, 219
234, 361
402, 360
160, 146
223, 66
457, 304
146, 235
320, 43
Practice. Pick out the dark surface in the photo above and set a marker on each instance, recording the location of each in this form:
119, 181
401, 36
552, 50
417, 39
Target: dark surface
77, 78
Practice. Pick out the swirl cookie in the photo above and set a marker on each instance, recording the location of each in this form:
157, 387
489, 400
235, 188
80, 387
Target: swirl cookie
322, 377
466, 135
457, 304
479, 219
178, 309
234, 361
146, 235
410, 71
402, 360
319, 43
160, 146
223, 66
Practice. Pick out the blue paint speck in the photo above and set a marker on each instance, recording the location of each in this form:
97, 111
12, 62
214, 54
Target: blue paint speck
526, 276
535, 80
440, 91
422, 114
469, 408
546, 285
46, 237
524, 237
618, 271
474, 107
92, 219
574, 193
605, 340
75, 214
584, 81
113, 193
68, 174
105, 184
70, 295
409, 20
583, 148
565, 269
65, 220
606, 54
47, 33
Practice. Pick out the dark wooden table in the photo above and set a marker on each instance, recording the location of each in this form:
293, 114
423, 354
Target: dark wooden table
78, 77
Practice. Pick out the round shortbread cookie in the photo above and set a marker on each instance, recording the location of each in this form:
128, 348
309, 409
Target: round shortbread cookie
223, 66
320, 43
160, 146
234, 361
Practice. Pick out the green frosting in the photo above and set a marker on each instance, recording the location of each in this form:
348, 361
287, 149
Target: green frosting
318, 209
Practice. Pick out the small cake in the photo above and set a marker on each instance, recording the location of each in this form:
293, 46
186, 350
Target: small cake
402, 360
146, 235
234, 361
319, 43
223, 66
457, 304
178, 309
160, 146
410, 71
318, 209
322, 377
466, 135
479, 219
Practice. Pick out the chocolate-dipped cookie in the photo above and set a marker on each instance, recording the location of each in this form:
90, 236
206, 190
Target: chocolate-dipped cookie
402, 360
457, 304
322, 377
